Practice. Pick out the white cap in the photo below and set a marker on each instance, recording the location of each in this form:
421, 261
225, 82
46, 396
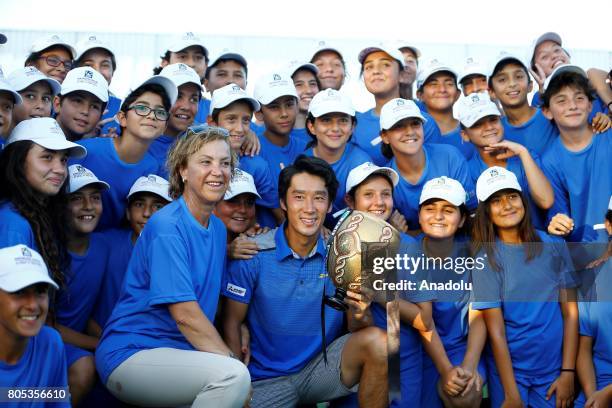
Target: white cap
323, 46
501, 57
563, 68
42, 43
151, 184
242, 182
393, 52
432, 67
273, 86
229, 56
472, 67
229, 94
80, 177
396, 110
89, 43
187, 40
8, 87
329, 101
444, 188
365, 170
470, 109
47, 133
86, 79
412, 49
493, 180
164, 82
181, 74
21, 78
21, 267
610, 204
295, 66
549, 36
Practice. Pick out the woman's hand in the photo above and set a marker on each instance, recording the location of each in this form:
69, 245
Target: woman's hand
563, 387
251, 145
242, 248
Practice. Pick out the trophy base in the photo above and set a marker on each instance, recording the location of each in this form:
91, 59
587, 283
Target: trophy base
337, 300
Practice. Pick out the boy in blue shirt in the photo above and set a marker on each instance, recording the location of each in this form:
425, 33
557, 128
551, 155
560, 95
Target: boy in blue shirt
278, 294
307, 85
578, 163
8, 99
80, 104
473, 78
31, 354
37, 92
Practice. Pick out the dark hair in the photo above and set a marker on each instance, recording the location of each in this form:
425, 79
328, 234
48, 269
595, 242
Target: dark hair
570, 79
81, 92
609, 216
351, 193
166, 57
311, 165
207, 73
79, 62
311, 119
429, 78
504, 64
138, 92
484, 233
315, 75
215, 113
45, 215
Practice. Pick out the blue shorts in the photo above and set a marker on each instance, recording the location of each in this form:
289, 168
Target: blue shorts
74, 353
532, 389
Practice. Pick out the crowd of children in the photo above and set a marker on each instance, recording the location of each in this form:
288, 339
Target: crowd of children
166, 249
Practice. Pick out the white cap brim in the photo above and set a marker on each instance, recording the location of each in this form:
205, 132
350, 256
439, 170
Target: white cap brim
4, 86
392, 52
561, 69
385, 171
74, 150
164, 82
26, 278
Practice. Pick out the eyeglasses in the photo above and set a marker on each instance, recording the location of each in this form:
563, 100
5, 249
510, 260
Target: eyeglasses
144, 110
192, 130
56, 62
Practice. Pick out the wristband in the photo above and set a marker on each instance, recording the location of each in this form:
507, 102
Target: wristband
569, 370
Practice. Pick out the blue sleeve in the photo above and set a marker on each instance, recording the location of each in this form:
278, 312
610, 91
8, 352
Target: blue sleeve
240, 279
584, 319
170, 271
561, 203
264, 182
462, 175
486, 287
10, 236
431, 129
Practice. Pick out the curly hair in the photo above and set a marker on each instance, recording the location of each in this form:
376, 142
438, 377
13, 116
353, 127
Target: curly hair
44, 214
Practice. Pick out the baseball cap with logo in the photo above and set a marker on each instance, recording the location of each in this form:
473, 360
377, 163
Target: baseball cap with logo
329, 101
504, 56
470, 109
411, 48
47, 133
273, 86
242, 182
85, 79
563, 68
228, 55
181, 74
323, 46
472, 67
21, 78
151, 184
80, 177
187, 40
21, 267
8, 87
495, 179
42, 43
365, 170
295, 66
166, 83
549, 36
393, 52
396, 110
433, 67
229, 94
89, 43
444, 188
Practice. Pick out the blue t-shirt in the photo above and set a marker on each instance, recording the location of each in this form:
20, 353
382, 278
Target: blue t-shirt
528, 293
454, 138
582, 183
76, 301
14, 228
352, 157
515, 165
159, 150
367, 134
301, 134
120, 246
203, 112
596, 322
112, 107
258, 167
440, 160
175, 260
102, 159
43, 364
537, 134
277, 155
284, 295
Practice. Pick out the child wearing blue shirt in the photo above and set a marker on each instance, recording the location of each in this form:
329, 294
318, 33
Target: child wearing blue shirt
525, 293
31, 354
121, 161
307, 85
578, 164
330, 124
75, 301
381, 68
401, 130
481, 125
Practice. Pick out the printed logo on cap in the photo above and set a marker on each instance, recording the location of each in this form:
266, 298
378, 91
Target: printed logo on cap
182, 67
88, 74
92, 38
80, 171
276, 77
55, 128
236, 88
188, 36
493, 173
470, 60
239, 176
27, 257
26, 252
55, 37
31, 70
152, 179
1, 73
330, 92
475, 97
400, 102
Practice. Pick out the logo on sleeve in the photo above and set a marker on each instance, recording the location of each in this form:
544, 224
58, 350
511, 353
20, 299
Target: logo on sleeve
236, 290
